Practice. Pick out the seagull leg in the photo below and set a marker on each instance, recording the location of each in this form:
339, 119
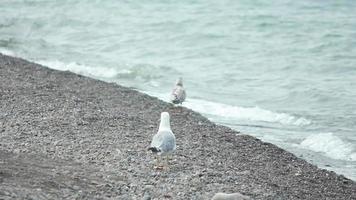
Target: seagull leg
158, 163
166, 166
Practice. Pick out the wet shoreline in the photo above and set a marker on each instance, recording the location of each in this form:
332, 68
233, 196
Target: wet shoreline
68, 136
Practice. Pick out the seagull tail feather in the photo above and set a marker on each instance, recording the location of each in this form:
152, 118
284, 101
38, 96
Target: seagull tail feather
154, 149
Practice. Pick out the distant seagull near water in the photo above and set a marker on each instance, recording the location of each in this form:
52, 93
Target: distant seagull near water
163, 142
178, 94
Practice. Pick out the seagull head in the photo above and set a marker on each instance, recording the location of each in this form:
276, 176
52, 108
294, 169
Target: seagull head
164, 124
179, 81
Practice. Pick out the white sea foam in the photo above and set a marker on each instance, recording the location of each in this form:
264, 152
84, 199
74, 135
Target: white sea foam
7, 52
331, 145
243, 113
146, 73
96, 72
239, 113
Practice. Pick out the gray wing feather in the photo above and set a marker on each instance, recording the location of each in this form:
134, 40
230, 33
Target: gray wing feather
164, 141
178, 94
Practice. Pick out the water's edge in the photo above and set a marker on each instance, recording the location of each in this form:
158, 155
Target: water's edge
251, 163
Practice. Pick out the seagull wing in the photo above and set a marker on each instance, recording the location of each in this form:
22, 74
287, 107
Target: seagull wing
178, 94
164, 140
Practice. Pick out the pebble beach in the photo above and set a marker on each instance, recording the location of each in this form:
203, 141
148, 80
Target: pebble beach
67, 136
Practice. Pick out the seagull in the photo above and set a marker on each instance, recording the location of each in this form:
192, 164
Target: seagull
163, 142
232, 196
178, 94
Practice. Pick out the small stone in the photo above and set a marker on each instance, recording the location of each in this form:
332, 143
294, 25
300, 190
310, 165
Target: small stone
56, 143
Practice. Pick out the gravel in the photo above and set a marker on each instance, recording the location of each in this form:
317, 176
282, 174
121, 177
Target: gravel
66, 136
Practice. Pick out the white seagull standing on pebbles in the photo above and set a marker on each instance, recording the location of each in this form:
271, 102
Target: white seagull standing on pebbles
164, 141
178, 94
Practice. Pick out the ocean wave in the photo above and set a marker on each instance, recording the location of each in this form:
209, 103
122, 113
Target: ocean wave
139, 72
91, 71
330, 145
129, 74
7, 52
96, 72
145, 72
242, 113
239, 113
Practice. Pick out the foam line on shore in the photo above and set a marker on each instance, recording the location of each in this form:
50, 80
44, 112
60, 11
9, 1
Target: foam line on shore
90, 137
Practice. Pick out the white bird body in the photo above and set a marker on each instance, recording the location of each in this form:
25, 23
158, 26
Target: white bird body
178, 93
164, 141
232, 196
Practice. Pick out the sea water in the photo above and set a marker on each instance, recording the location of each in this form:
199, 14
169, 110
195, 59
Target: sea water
283, 71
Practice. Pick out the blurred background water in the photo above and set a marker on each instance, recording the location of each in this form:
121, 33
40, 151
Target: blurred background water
283, 71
